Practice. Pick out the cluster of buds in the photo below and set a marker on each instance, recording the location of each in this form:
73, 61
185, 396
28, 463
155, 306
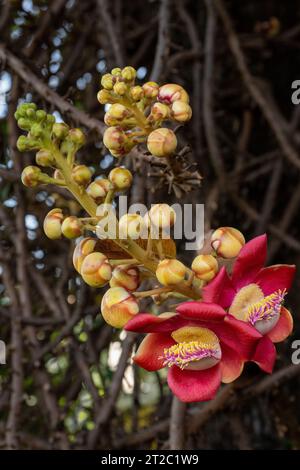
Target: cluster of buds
136, 113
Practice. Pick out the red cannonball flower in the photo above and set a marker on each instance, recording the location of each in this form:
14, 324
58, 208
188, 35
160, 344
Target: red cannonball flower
254, 294
198, 344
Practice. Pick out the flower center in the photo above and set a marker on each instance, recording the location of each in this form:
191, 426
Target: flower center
251, 306
196, 349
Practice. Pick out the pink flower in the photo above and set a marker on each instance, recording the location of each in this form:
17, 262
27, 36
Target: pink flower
198, 344
254, 294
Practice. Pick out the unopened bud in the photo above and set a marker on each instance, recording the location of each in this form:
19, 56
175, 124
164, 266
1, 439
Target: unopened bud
170, 272
181, 111
125, 276
118, 112
227, 242
82, 175
82, 249
98, 189
77, 137
115, 138
205, 267
72, 227
118, 306
96, 270
137, 93
57, 175
120, 88
107, 81
162, 142
52, 224
104, 97
116, 71
121, 178
44, 158
128, 73
172, 92
60, 130
31, 176
132, 226
160, 111
162, 216
151, 89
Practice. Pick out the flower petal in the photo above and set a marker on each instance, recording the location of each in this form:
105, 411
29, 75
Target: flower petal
203, 311
250, 261
275, 277
283, 327
194, 385
150, 352
231, 365
237, 335
265, 355
219, 290
148, 323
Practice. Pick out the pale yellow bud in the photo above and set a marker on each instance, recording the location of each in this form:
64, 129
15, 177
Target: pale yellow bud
116, 71
82, 249
121, 178
98, 189
227, 242
160, 111
128, 73
115, 139
119, 112
120, 88
96, 270
162, 216
72, 227
104, 97
118, 306
181, 111
44, 158
151, 89
31, 176
52, 224
172, 92
162, 142
137, 93
205, 267
170, 272
126, 276
107, 81
132, 226
81, 174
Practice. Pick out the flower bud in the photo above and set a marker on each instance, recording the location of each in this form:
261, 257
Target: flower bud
151, 89
96, 270
57, 175
98, 189
160, 111
81, 174
118, 306
116, 71
172, 92
36, 130
170, 272
82, 249
107, 81
31, 176
120, 88
125, 276
118, 112
104, 97
205, 267
227, 242
44, 158
181, 111
77, 137
52, 224
128, 73
72, 227
60, 130
137, 93
132, 226
162, 216
162, 142
114, 138
110, 121
24, 143
121, 178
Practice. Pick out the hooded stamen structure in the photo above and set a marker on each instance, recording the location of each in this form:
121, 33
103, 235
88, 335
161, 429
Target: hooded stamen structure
267, 308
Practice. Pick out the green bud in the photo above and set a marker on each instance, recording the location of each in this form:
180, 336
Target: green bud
60, 130
50, 119
116, 71
24, 124
40, 115
23, 143
30, 113
77, 137
36, 130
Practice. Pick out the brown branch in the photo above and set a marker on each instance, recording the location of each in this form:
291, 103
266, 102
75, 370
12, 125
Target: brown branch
162, 47
177, 424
